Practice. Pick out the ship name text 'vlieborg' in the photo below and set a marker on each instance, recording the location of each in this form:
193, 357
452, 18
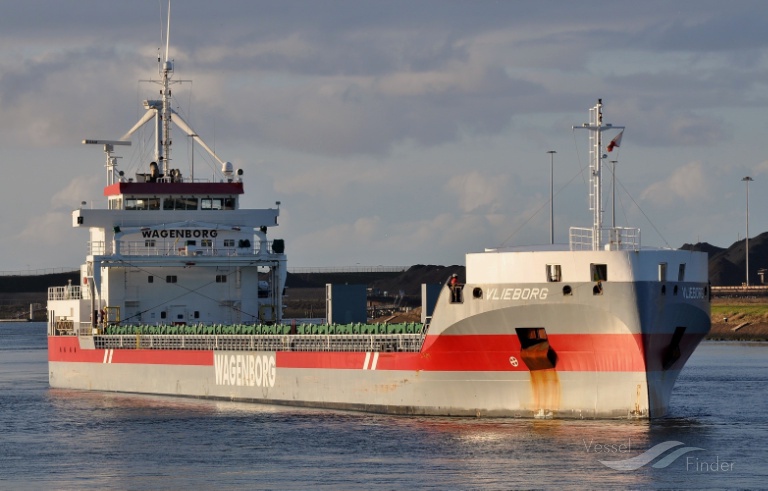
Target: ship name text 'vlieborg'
517, 293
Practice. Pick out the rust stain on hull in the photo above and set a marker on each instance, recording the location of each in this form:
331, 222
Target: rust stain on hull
545, 390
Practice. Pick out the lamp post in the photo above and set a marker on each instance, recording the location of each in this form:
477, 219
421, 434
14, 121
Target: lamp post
551, 196
747, 179
613, 194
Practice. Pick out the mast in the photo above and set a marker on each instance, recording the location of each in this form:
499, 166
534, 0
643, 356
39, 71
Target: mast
166, 72
596, 156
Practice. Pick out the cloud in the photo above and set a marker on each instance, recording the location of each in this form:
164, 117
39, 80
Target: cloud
391, 129
58, 221
689, 184
476, 192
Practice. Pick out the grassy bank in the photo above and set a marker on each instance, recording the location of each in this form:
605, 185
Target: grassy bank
739, 320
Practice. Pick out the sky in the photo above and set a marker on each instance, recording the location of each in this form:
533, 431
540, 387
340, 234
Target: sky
394, 133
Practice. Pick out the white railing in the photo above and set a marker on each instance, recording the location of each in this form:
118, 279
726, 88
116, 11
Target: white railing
619, 239
265, 342
624, 239
69, 292
99, 248
580, 239
170, 248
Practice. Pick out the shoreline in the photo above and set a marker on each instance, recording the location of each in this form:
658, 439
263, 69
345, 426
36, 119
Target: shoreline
750, 332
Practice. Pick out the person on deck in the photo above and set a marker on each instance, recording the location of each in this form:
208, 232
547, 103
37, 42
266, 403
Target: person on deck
453, 284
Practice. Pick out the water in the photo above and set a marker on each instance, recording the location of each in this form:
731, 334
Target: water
56, 439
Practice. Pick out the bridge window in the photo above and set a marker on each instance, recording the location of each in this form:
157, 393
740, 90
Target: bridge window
142, 203
217, 204
179, 203
211, 204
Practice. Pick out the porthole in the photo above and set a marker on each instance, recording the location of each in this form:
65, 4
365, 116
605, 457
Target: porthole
567, 290
663, 289
477, 292
675, 290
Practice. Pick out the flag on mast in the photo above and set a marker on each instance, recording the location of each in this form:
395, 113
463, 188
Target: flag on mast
616, 142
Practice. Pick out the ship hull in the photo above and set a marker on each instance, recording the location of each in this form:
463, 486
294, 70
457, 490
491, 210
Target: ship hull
441, 381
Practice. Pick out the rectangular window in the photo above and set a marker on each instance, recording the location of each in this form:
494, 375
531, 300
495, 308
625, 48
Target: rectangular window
598, 272
162, 315
229, 203
130, 204
196, 314
150, 279
662, 271
170, 279
211, 204
221, 278
179, 203
206, 242
229, 242
191, 242
149, 243
554, 273
153, 203
681, 272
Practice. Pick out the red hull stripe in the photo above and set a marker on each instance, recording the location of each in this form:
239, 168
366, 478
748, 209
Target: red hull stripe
575, 353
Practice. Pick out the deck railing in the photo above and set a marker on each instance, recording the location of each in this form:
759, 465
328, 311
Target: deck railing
329, 342
618, 239
69, 292
169, 248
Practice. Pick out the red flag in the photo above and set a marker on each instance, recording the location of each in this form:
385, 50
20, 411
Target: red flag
616, 142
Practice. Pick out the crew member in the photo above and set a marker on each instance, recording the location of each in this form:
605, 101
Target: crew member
453, 284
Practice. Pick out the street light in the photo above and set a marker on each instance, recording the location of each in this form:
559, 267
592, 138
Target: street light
551, 196
747, 179
613, 195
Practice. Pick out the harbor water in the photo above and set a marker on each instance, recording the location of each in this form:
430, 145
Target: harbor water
716, 436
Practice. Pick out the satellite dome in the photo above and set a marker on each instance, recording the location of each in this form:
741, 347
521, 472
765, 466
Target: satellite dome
227, 168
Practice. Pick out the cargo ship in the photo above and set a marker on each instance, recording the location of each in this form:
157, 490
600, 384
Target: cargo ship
181, 294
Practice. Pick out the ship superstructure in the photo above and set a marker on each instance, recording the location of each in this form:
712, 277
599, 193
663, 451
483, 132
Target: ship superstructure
181, 293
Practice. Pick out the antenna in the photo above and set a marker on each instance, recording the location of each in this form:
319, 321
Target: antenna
109, 147
168, 31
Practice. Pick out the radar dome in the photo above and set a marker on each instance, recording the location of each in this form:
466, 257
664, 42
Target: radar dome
227, 169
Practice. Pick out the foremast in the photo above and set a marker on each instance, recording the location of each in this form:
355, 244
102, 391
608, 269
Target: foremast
616, 235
